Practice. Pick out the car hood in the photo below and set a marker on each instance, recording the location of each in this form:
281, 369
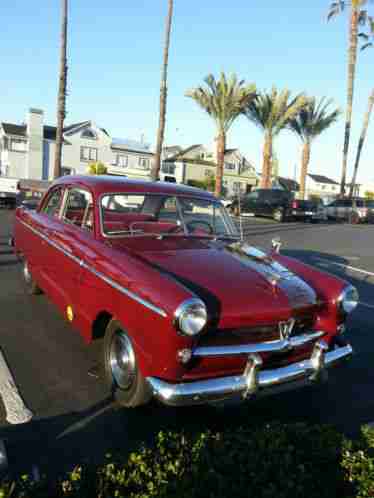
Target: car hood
240, 284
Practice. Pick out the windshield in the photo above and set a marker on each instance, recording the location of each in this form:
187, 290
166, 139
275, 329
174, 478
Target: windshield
163, 215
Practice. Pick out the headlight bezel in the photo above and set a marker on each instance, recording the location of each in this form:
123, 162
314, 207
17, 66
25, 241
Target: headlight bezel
348, 300
181, 314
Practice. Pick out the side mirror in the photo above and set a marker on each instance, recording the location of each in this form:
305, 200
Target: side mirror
276, 244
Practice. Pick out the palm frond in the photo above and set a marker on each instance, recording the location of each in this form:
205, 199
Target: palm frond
223, 99
272, 112
314, 118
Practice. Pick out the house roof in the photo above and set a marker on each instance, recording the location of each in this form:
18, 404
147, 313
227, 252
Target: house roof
75, 125
322, 179
181, 153
13, 129
288, 184
49, 132
131, 145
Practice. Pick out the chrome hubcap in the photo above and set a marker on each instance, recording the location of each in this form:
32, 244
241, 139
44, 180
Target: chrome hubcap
122, 360
26, 273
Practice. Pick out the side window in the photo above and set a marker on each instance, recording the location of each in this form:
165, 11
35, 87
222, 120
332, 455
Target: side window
168, 211
53, 203
79, 209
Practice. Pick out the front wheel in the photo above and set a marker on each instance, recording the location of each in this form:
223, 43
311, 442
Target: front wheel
122, 374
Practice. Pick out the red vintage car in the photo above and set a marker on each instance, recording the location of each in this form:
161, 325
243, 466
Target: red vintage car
188, 312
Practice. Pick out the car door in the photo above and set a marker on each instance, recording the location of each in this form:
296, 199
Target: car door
73, 237
43, 254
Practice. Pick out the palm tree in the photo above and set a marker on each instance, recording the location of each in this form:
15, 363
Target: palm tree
357, 16
311, 121
224, 100
61, 99
272, 112
155, 173
362, 141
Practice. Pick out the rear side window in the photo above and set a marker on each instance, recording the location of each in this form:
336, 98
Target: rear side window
79, 209
53, 203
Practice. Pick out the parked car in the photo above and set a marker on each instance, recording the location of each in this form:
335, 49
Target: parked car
188, 312
307, 210
358, 210
9, 188
277, 204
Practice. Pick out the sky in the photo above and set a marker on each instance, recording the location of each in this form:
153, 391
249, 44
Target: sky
115, 56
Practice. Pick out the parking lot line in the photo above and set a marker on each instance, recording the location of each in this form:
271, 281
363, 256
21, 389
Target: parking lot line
16, 410
371, 306
347, 267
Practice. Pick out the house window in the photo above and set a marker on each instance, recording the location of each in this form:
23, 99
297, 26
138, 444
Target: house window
143, 163
208, 173
333, 188
18, 145
168, 168
230, 166
323, 187
88, 154
91, 135
120, 160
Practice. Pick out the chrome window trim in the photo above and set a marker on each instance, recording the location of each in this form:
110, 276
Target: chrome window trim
98, 274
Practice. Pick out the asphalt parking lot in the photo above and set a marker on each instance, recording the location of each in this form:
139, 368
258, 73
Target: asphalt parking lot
59, 378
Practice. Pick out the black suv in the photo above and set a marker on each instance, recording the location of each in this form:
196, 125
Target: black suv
277, 204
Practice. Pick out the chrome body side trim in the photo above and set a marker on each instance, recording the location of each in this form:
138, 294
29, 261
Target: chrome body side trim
254, 381
98, 274
281, 346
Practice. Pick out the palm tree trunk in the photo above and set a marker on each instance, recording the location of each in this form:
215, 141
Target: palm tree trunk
163, 97
352, 55
304, 168
61, 99
362, 141
221, 146
266, 164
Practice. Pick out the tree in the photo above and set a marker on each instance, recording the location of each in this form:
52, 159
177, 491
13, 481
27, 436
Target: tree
155, 173
97, 168
311, 121
224, 100
369, 195
361, 142
61, 99
357, 17
274, 169
272, 112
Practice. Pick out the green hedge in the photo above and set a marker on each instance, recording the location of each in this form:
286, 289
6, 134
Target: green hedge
275, 460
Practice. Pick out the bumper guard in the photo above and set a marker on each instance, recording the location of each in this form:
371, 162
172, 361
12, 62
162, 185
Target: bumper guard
254, 381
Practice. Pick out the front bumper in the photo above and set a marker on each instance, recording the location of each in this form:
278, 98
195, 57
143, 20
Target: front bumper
254, 381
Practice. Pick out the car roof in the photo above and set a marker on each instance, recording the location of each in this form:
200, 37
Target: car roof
100, 184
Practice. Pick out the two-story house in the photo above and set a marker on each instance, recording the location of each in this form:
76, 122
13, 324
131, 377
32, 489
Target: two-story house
322, 187
197, 163
28, 150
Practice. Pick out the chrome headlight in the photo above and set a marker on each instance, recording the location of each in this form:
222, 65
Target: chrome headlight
191, 317
348, 299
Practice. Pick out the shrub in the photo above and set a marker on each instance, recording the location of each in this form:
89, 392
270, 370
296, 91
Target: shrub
274, 460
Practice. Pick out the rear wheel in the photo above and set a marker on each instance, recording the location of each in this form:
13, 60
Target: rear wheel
279, 215
31, 286
122, 374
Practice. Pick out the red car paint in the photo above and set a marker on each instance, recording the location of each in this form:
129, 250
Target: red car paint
74, 266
